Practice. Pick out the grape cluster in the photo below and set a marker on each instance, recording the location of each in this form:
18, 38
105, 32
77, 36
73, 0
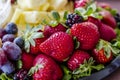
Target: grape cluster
10, 49
72, 19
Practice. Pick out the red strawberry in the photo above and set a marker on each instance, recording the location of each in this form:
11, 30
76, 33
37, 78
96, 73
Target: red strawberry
27, 60
87, 34
108, 19
80, 3
104, 5
47, 69
95, 21
77, 58
59, 46
106, 32
103, 53
48, 31
35, 49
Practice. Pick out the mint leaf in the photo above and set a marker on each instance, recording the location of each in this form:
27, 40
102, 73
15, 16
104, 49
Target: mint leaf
3, 76
56, 16
19, 64
65, 15
89, 11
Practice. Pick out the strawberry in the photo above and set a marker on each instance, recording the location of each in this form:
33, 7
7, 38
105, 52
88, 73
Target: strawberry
106, 32
80, 3
108, 19
35, 49
59, 46
77, 58
95, 21
104, 5
48, 31
87, 34
103, 52
47, 69
27, 60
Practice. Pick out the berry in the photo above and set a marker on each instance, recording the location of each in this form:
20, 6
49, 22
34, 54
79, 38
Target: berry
12, 51
8, 37
103, 52
106, 32
3, 57
8, 68
48, 31
81, 3
59, 46
47, 68
87, 34
28, 59
72, 19
77, 58
108, 19
2, 32
19, 41
21, 75
11, 28
35, 49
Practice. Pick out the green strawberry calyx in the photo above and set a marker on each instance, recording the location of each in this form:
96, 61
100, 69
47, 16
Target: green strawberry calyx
29, 35
35, 69
90, 10
55, 19
108, 48
3, 76
84, 69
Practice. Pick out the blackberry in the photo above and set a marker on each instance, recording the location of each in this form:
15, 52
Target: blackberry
21, 75
117, 18
72, 19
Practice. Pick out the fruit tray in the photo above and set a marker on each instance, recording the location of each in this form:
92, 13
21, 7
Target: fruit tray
45, 42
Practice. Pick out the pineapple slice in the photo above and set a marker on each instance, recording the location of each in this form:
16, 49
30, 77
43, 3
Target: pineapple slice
33, 4
57, 4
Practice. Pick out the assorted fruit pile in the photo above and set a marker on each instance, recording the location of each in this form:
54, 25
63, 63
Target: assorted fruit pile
63, 48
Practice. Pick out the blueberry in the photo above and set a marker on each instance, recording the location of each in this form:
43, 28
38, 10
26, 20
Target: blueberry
8, 68
11, 28
8, 37
12, 51
19, 41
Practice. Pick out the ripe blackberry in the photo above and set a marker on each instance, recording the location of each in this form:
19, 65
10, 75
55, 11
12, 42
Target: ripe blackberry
117, 18
21, 75
72, 19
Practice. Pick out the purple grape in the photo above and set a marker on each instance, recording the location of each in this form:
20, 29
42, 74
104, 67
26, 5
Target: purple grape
8, 67
12, 50
2, 32
3, 57
8, 37
19, 41
11, 28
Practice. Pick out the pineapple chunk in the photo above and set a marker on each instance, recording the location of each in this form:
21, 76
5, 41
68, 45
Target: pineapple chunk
57, 4
33, 4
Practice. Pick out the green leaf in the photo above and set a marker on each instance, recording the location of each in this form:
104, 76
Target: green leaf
19, 64
89, 11
37, 35
68, 31
27, 46
113, 12
3, 76
77, 43
93, 7
53, 23
80, 11
98, 67
56, 15
32, 42
67, 73
65, 15
35, 69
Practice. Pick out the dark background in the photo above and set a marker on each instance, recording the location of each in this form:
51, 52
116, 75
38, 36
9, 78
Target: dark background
115, 4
